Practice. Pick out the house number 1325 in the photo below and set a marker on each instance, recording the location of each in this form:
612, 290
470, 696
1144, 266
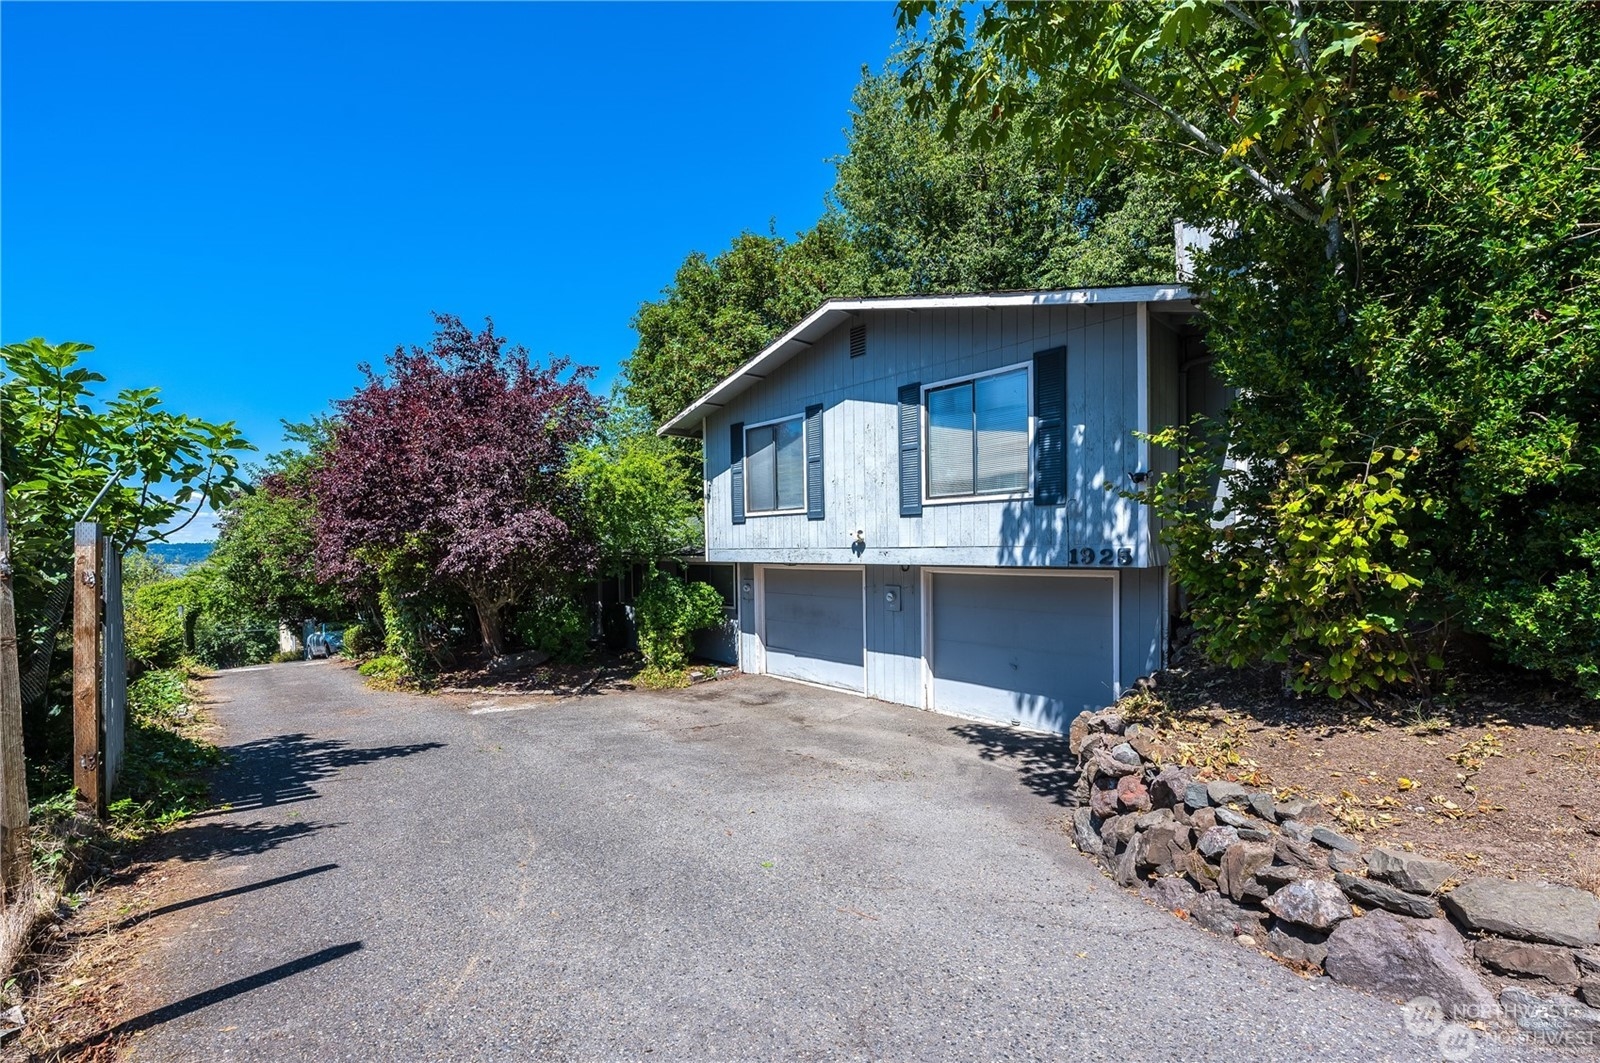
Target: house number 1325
1104, 555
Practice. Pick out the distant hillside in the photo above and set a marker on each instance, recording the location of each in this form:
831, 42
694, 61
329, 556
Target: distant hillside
180, 555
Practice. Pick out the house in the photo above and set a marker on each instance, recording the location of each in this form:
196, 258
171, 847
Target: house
920, 496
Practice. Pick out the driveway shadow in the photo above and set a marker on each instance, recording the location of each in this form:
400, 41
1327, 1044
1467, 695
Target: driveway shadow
283, 769
1044, 762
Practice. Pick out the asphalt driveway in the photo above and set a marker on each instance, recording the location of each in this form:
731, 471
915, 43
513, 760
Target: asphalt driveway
745, 870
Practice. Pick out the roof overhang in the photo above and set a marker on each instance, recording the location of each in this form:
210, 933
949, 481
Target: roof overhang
834, 312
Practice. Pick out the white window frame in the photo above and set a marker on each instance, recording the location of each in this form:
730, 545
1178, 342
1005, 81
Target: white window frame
996, 496
805, 496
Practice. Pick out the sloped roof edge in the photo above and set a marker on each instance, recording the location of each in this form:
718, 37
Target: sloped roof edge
833, 312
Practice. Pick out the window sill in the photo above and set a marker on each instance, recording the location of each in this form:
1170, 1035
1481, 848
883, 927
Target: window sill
965, 499
774, 513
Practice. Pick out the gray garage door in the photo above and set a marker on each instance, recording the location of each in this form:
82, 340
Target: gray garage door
813, 625
1034, 649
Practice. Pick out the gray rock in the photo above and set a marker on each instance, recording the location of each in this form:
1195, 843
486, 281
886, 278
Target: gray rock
1549, 1016
1125, 868
1229, 818
1102, 764
1588, 960
1370, 894
1263, 805
1126, 754
1332, 839
1310, 902
1297, 943
1092, 742
1086, 832
1404, 958
1077, 731
1221, 916
1532, 911
1522, 960
1203, 819
1414, 874
1237, 874
1103, 798
1291, 809
1195, 796
1215, 841
1277, 876
1117, 831
1589, 990
1346, 862
1172, 893
1255, 834
1201, 872
1296, 830
1298, 854
1109, 721
1154, 818
1163, 850
1167, 789
1222, 792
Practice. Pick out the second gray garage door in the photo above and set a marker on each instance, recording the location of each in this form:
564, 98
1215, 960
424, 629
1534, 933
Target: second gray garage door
1031, 649
814, 625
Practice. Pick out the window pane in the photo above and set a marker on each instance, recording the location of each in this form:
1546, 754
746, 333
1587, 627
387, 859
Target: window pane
1002, 415
760, 478
791, 464
950, 441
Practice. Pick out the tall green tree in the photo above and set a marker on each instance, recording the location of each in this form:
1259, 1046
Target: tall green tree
721, 311
266, 541
910, 212
1407, 245
139, 469
637, 490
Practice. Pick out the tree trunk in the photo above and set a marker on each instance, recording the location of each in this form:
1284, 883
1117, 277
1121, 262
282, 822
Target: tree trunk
488, 609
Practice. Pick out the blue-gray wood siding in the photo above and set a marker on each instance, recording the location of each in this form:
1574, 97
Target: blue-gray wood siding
860, 425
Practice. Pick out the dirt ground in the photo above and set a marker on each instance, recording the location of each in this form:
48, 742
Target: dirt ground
1501, 778
75, 988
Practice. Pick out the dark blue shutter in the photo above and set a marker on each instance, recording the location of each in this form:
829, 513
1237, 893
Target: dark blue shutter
814, 462
1050, 427
736, 469
911, 450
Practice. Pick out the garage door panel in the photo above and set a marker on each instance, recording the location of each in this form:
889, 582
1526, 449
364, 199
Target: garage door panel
1033, 648
813, 626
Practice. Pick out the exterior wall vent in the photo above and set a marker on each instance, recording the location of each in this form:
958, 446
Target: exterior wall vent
858, 341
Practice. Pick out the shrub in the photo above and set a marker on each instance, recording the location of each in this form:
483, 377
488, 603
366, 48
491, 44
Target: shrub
359, 641
1312, 568
557, 626
386, 671
668, 613
653, 678
231, 641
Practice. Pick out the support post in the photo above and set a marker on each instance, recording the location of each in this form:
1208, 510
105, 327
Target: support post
87, 670
14, 860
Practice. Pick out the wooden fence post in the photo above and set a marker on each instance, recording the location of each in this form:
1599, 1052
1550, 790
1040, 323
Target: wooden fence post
87, 670
14, 860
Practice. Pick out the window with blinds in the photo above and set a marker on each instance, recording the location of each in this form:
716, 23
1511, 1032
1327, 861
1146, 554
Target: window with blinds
775, 467
977, 441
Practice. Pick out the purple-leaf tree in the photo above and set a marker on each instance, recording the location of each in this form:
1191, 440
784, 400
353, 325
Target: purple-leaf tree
453, 457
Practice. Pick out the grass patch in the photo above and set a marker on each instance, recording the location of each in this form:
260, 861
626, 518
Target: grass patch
655, 678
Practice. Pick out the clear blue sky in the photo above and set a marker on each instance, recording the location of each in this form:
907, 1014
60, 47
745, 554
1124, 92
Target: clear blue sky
240, 202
